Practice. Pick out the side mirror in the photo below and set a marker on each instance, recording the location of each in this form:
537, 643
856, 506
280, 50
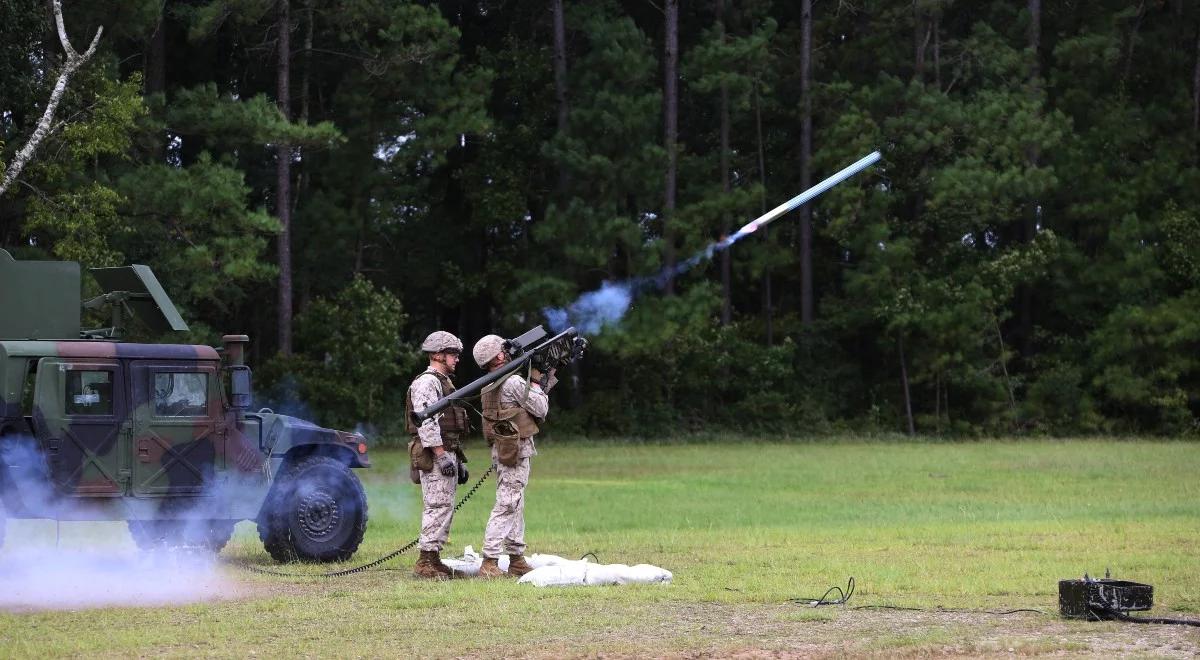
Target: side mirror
239, 387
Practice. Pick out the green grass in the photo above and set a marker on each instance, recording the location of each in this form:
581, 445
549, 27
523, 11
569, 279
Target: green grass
744, 527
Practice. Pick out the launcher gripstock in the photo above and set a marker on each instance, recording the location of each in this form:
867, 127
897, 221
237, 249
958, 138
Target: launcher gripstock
532, 345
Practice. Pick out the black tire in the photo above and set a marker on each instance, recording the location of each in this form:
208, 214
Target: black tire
211, 535
317, 512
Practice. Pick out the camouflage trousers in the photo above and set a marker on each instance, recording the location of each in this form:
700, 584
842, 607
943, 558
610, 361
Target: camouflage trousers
505, 532
437, 496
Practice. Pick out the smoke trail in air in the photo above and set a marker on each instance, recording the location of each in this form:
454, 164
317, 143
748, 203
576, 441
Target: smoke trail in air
594, 310
607, 305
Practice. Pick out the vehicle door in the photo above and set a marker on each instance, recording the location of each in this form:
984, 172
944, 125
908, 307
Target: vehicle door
176, 436
79, 414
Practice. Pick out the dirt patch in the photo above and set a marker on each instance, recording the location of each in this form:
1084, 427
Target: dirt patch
781, 631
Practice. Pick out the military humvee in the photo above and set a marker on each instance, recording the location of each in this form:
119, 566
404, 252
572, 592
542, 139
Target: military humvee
159, 435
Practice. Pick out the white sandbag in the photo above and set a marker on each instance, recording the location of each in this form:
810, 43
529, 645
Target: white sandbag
554, 576
469, 562
576, 573
538, 560
647, 574
555, 571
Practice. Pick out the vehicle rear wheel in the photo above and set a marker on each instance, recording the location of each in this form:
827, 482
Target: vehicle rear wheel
317, 512
211, 535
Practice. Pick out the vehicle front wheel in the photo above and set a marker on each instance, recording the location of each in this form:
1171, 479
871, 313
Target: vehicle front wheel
317, 512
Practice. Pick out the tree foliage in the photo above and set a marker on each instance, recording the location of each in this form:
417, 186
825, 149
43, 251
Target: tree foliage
1024, 259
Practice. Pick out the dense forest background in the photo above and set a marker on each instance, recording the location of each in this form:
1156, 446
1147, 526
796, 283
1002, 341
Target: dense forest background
338, 179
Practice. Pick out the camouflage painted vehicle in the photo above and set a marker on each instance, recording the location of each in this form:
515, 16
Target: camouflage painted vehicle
159, 435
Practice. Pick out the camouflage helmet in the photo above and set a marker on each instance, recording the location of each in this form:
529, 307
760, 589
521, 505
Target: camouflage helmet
441, 341
486, 349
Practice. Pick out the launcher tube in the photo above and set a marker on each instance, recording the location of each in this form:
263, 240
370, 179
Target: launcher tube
477, 385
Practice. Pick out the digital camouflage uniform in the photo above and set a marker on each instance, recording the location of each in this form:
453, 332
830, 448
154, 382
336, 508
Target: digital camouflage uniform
505, 532
437, 490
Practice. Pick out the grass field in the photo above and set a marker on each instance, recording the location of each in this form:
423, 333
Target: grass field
744, 528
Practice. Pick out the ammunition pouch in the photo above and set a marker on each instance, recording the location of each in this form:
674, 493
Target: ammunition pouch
420, 458
508, 450
455, 422
503, 428
453, 426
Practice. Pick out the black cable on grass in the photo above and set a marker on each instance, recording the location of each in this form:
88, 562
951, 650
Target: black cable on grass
843, 596
1121, 616
590, 554
948, 609
1106, 610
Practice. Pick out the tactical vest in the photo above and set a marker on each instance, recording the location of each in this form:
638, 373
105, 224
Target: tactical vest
453, 422
505, 423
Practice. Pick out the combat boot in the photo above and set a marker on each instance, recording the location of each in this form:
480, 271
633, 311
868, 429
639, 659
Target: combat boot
518, 566
427, 566
443, 569
490, 569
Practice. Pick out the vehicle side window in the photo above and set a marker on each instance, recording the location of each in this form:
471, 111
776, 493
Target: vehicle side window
89, 393
181, 394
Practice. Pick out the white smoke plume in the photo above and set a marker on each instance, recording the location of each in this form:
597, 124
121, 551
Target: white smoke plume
92, 568
595, 310
46, 564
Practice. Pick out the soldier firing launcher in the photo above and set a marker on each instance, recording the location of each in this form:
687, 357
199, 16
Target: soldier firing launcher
531, 348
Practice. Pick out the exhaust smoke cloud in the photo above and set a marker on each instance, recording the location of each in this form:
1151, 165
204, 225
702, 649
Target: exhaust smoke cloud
91, 573
45, 564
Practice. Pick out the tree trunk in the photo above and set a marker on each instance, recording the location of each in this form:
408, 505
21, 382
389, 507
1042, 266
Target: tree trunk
1003, 359
156, 56
1133, 35
564, 113
937, 50
937, 402
912, 430
671, 136
768, 304
71, 63
726, 264
1196, 85
283, 176
922, 31
1032, 156
308, 46
156, 74
560, 81
806, 266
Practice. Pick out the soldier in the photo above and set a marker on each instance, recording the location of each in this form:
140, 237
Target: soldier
436, 450
512, 410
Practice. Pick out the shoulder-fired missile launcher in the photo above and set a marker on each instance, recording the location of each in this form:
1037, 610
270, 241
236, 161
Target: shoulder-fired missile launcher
159, 435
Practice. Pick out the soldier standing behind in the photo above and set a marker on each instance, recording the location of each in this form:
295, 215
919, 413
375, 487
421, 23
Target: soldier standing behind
512, 410
436, 450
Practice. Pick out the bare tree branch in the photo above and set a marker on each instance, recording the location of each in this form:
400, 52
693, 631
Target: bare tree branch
74, 61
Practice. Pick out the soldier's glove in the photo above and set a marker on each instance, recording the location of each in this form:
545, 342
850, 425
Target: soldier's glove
445, 465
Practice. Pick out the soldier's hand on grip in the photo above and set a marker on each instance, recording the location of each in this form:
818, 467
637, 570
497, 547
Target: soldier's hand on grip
445, 465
